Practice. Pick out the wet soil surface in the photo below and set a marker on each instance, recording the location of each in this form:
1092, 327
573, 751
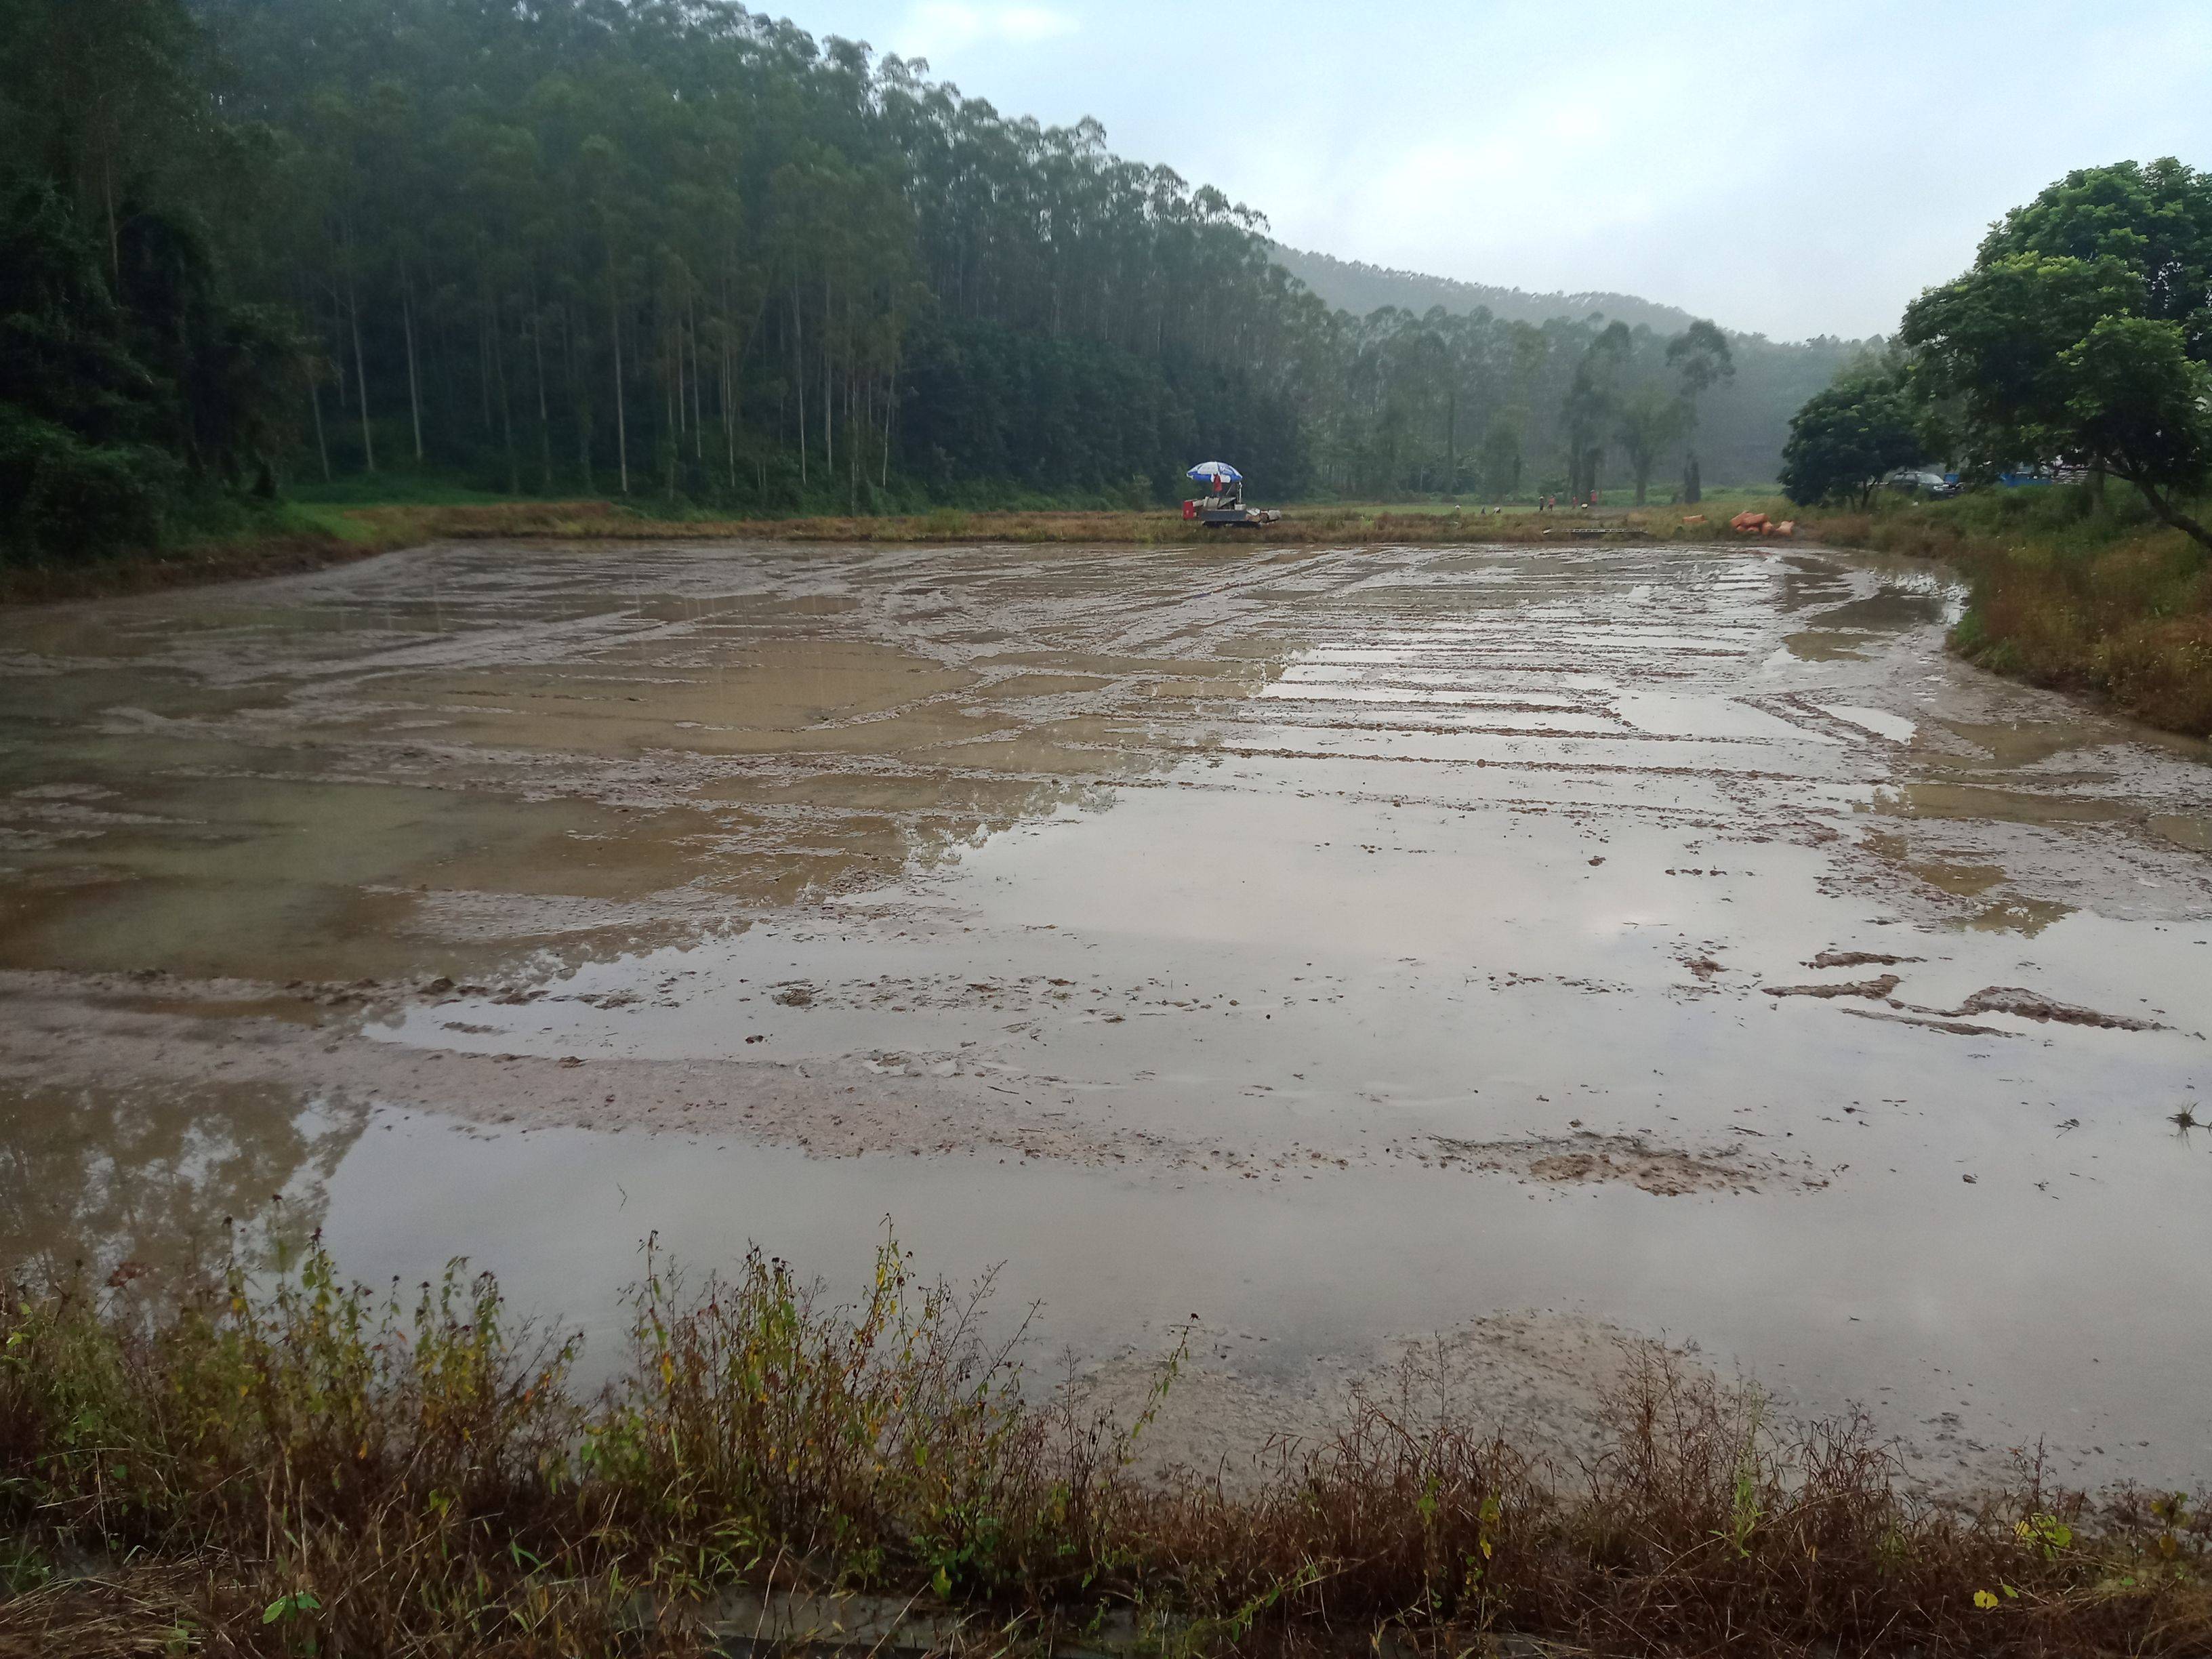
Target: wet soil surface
1589, 946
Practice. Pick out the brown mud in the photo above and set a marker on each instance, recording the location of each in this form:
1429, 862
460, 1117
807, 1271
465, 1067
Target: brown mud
1349, 943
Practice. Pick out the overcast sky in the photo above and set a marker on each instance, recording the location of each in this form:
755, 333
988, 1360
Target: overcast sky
1791, 167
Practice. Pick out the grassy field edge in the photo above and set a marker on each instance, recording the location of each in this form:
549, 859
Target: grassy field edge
2069, 588
300, 1466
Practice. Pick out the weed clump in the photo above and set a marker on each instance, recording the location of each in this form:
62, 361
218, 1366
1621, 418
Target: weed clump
318, 1467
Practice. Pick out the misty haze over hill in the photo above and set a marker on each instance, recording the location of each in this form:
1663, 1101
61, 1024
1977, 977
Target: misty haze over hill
1356, 286
1746, 418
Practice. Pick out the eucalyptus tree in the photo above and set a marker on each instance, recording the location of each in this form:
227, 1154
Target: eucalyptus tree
688, 250
135, 385
1646, 419
1701, 358
1592, 405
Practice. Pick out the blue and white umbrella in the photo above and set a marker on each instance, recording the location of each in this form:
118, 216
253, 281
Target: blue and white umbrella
1213, 472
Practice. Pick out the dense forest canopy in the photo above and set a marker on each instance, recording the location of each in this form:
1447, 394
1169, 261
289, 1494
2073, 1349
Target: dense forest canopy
673, 248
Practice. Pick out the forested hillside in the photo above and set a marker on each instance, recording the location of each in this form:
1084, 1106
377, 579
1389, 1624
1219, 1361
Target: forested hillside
1355, 286
1745, 424
682, 252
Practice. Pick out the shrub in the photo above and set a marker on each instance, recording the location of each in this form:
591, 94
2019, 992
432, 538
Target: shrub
321, 1467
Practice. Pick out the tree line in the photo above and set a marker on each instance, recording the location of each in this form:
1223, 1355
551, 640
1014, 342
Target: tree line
1740, 425
673, 249
2082, 337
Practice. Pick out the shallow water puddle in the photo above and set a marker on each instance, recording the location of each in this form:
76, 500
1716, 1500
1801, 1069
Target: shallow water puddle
1350, 947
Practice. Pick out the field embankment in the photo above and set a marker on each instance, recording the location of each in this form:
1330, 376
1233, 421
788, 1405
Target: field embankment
275, 541
307, 536
316, 1469
2067, 592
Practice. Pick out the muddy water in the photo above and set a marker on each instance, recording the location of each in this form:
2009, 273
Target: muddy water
1336, 946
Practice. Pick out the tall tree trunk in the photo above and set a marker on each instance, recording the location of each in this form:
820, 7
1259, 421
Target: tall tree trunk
698, 426
729, 415
322, 445
799, 372
580, 399
505, 402
671, 406
114, 232
1451, 443
890, 402
2169, 514
545, 409
622, 417
360, 363
414, 382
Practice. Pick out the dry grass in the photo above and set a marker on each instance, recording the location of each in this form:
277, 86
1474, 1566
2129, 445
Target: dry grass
280, 555
316, 1469
1302, 527
2068, 594
310, 537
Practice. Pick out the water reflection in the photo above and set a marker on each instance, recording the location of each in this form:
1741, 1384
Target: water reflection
97, 1177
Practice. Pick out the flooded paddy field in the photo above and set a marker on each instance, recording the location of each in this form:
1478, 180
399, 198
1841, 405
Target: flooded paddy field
1548, 951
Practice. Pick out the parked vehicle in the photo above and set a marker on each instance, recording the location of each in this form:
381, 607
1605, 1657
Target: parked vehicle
1916, 481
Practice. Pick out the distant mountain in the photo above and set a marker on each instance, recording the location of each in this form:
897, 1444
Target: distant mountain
1355, 286
1743, 421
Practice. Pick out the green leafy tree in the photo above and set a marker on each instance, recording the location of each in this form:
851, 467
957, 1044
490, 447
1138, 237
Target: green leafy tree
2051, 357
2082, 333
1645, 422
1501, 459
1846, 440
1701, 356
79, 411
1592, 405
2140, 407
2156, 219
133, 381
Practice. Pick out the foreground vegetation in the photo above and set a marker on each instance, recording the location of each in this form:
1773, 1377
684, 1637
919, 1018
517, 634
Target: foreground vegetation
2071, 587
318, 1469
